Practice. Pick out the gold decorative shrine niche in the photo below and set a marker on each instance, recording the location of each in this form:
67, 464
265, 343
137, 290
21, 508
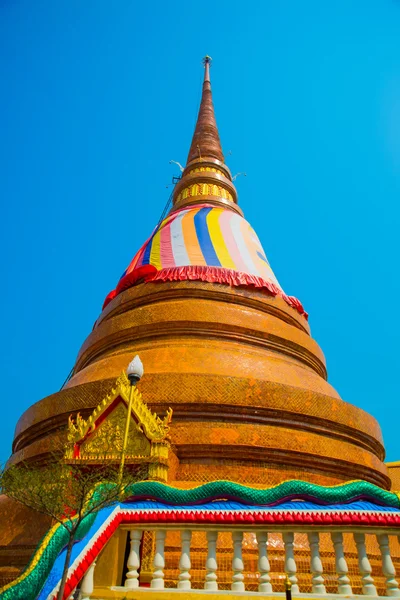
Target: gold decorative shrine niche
100, 438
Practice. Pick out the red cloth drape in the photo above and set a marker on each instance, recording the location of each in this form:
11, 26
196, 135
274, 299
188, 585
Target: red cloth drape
203, 273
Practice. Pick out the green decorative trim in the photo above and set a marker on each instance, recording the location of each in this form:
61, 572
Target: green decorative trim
29, 584
218, 490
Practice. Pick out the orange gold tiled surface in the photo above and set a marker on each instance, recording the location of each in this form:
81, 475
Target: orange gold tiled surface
19, 525
156, 292
253, 473
215, 320
197, 387
394, 474
243, 438
238, 368
207, 358
20, 531
303, 408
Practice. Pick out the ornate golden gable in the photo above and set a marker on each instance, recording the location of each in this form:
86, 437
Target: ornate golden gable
100, 437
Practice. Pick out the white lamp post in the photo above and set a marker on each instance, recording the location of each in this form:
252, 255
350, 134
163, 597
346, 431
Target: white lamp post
135, 373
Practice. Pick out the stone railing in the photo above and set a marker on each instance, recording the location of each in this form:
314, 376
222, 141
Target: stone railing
367, 579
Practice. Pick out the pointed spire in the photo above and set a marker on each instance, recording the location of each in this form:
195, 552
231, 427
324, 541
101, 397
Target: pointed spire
206, 178
206, 142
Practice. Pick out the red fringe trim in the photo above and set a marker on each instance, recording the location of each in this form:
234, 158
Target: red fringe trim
203, 273
145, 273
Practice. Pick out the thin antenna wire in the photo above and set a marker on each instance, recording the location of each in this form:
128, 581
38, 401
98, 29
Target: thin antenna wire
166, 207
68, 378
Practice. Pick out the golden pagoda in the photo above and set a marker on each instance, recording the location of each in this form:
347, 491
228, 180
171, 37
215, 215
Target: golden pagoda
223, 346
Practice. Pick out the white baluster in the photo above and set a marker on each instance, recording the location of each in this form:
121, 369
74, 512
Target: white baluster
290, 563
263, 563
392, 587
132, 576
211, 562
364, 566
237, 563
184, 563
342, 569
318, 586
87, 586
157, 581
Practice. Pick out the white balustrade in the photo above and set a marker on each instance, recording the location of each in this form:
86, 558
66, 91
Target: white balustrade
264, 585
316, 568
367, 582
157, 581
237, 563
87, 586
342, 569
264, 578
133, 564
211, 562
290, 563
184, 563
392, 586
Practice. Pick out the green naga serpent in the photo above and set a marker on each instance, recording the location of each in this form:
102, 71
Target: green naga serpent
31, 581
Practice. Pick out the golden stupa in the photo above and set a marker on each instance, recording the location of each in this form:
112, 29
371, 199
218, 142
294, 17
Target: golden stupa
222, 345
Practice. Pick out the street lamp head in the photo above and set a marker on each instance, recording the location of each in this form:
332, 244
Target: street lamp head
135, 370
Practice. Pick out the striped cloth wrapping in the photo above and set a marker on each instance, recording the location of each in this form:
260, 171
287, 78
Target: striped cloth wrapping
204, 243
205, 236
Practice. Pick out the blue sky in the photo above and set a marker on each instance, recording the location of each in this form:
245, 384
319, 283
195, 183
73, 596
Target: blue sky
98, 96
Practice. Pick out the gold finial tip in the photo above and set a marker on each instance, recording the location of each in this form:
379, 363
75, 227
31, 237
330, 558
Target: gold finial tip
207, 60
